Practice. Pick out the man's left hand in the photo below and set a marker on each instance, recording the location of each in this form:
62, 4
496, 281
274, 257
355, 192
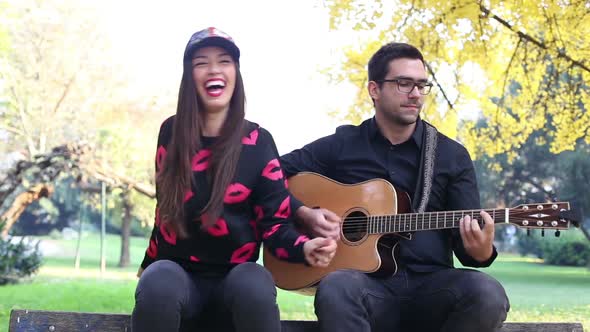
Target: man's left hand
477, 242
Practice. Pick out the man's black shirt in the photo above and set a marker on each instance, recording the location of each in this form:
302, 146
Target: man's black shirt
358, 153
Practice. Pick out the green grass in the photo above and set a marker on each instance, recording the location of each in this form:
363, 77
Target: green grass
537, 292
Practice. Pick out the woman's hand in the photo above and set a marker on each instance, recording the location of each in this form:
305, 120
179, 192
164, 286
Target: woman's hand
319, 251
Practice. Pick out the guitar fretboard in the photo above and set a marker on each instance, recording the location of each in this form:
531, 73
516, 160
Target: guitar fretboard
410, 222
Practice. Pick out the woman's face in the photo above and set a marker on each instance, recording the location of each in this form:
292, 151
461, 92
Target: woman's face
214, 73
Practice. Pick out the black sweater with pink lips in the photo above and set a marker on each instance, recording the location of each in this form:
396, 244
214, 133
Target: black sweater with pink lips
256, 209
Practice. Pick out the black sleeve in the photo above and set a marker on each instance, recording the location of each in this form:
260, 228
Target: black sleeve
163, 137
317, 157
464, 195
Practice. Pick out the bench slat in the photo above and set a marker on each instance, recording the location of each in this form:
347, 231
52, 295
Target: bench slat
62, 321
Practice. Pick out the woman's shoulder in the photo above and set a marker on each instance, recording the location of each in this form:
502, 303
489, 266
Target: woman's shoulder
255, 132
166, 130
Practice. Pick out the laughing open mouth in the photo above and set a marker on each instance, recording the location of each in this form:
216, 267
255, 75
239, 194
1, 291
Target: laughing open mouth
215, 87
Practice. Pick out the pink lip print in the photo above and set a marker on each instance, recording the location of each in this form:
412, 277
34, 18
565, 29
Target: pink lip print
219, 228
281, 253
152, 250
244, 253
271, 231
251, 138
284, 210
168, 234
188, 195
301, 239
259, 212
236, 193
194, 259
200, 161
160, 156
273, 170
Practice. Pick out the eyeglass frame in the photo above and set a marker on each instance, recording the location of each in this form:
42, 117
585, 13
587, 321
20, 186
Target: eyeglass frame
415, 85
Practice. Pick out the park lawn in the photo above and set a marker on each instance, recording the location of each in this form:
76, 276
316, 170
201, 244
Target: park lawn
537, 292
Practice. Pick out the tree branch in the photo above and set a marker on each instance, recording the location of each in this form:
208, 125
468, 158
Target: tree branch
538, 43
439, 86
65, 93
12, 130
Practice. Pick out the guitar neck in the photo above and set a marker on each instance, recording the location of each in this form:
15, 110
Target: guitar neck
411, 222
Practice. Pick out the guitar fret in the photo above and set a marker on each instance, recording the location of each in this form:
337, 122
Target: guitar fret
453, 219
437, 220
404, 222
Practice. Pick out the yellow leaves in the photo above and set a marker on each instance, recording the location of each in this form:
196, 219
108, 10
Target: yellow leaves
519, 69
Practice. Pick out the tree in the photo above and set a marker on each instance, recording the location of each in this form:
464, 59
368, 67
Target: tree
59, 89
53, 74
478, 51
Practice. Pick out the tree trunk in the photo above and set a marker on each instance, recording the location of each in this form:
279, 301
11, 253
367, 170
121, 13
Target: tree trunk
124, 261
21, 202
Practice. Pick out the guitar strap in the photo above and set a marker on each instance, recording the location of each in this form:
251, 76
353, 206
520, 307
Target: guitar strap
426, 170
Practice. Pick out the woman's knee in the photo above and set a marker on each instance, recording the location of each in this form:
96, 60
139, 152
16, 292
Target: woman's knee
162, 281
250, 281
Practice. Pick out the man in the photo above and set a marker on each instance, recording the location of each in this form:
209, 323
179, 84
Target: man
427, 293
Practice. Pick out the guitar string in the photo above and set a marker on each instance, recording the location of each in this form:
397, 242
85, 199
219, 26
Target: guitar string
361, 223
413, 226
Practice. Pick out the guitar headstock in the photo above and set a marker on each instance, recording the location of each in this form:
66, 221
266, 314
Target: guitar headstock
554, 215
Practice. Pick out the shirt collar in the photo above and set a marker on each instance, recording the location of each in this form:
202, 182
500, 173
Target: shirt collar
374, 132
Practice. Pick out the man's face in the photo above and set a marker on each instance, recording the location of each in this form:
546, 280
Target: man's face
392, 100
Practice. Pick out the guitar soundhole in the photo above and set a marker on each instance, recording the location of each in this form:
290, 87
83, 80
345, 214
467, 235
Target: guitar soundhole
354, 227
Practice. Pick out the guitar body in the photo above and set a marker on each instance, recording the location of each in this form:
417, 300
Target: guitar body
375, 215
357, 250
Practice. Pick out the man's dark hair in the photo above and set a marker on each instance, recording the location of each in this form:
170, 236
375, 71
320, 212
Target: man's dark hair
379, 63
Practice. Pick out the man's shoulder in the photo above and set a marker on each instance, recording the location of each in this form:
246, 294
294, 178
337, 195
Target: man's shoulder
350, 130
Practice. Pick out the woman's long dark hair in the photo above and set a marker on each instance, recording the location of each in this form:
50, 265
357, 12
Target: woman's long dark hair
175, 177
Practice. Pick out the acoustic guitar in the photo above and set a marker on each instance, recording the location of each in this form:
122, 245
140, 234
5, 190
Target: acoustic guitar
375, 215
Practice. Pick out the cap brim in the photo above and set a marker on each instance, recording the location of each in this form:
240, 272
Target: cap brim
233, 50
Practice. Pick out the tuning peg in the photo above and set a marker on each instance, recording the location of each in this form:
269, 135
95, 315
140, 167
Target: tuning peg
543, 232
557, 233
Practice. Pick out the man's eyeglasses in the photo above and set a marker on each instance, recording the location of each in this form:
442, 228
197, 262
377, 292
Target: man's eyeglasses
406, 86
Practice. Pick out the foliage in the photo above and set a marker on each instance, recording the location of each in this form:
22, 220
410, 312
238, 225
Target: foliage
536, 175
516, 64
571, 248
572, 251
83, 91
52, 93
18, 259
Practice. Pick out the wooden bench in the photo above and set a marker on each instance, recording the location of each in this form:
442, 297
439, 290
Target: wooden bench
55, 321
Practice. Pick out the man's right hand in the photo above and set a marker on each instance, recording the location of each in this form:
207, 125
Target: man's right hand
320, 222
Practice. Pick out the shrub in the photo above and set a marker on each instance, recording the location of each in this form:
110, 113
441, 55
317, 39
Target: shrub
19, 258
571, 248
572, 252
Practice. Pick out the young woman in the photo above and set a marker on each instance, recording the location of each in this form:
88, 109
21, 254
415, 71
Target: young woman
220, 194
